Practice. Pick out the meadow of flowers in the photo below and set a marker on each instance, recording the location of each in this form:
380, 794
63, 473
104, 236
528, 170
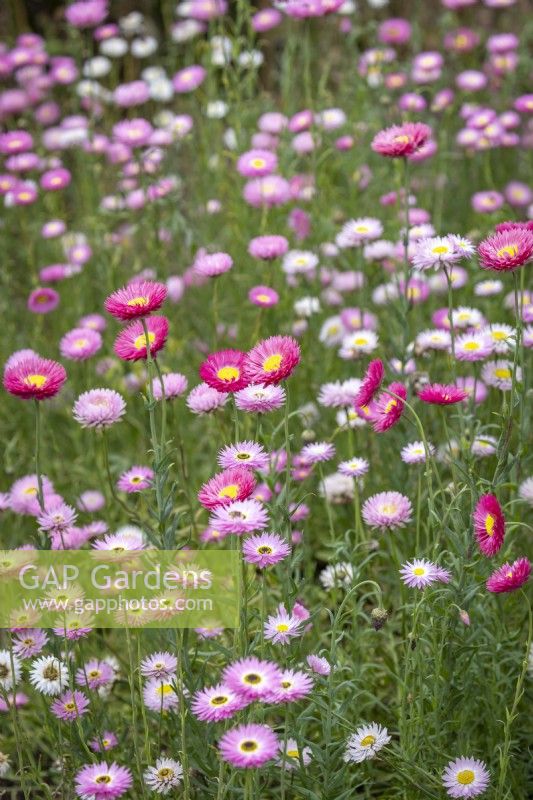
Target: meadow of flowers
266, 287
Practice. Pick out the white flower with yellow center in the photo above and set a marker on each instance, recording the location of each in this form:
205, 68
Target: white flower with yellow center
366, 742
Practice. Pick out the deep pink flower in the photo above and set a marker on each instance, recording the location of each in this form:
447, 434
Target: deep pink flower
371, 382
131, 345
489, 524
272, 360
102, 782
401, 140
34, 378
224, 371
510, 576
506, 250
43, 300
249, 745
138, 299
236, 483
442, 394
388, 409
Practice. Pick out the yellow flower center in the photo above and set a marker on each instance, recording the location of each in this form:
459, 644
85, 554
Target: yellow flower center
465, 777
472, 346
293, 753
263, 298
403, 139
164, 689
368, 740
79, 343
70, 706
282, 627
140, 341
138, 302
103, 779
503, 373
272, 363
419, 571
390, 405
440, 249
489, 524
37, 381
389, 509
360, 341
219, 700
228, 373
30, 490
508, 250
165, 772
413, 292
229, 491
499, 335
361, 229
248, 746
257, 163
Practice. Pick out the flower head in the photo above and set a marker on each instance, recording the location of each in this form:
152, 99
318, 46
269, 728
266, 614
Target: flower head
165, 776
260, 399
137, 299
135, 479
272, 360
510, 576
442, 394
387, 510
240, 516
465, 777
366, 742
281, 627
223, 371
252, 678
249, 745
99, 408
235, 483
131, 344
34, 378
247, 454
102, 782
489, 524
371, 382
217, 703
70, 706
265, 549
388, 408
506, 251
401, 140
80, 344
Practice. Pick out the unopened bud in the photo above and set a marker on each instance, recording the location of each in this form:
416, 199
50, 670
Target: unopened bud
379, 617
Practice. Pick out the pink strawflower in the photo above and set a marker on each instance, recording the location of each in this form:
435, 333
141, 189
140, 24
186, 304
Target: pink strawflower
159, 665
224, 371
217, 703
371, 382
387, 510
507, 250
317, 452
248, 454
419, 573
203, 399
249, 746
29, 642
272, 360
107, 741
235, 483
257, 163
34, 378
135, 479
465, 777
442, 394
70, 706
281, 627
489, 524
137, 299
43, 300
86, 13
131, 345
268, 248
401, 140
80, 344
510, 576
388, 409
293, 685
260, 399
213, 264
99, 408
174, 384
102, 782
265, 549
319, 665
56, 518
263, 296
95, 674
252, 678
241, 516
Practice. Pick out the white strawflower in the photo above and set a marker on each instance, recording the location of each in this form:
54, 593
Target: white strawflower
49, 675
366, 742
166, 775
9, 670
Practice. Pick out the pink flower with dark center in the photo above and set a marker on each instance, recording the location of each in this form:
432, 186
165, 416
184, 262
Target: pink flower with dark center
70, 706
489, 524
43, 300
236, 483
135, 480
131, 345
249, 746
102, 782
138, 299
224, 371
510, 576
265, 549
401, 140
217, 703
34, 378
442, 394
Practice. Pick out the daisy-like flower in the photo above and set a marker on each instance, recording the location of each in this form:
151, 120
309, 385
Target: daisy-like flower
203, 399
265, 549
355, 467
223, 371
160, 695
135, 479
272, 360
28, 643
510, 576
235, 483
281, 627
366, 742
159, 665
433, 340
107, 741
263, 296
489, 524
267, 248
371, 382
473, 346
102, 782
241, 516
131, 344
249, 746
317, 452
94, 674
356, 232
507, 250
127, 538
435, 252
293, 757
465, 777
136, 300
488, 288
299, 262
80, 344
293, 685
525, 490
174, 384
387, 510
70, 706
34, 378
484, 445
357, 343
388, 409
49, 675
99, 408
400, 141
464, 317
337, 575
165, 776
419, 573
57, 517
248, 454
442, 394
319, 664
502, 337
415, 452
252, 678
260, 399
499, 374
9, 674
217, 703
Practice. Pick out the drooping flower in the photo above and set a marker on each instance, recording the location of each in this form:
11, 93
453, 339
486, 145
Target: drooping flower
387, 510
107, 741
249, 745
102, 782
319, 664
442, 394
235, 483
131, 345
265, 549
387, 409
465, 777
223, 371
137, 299
371, 382
366, 742
9, 673
489, 524
272, 360
34, 378
401, 140
509, 576
99, 408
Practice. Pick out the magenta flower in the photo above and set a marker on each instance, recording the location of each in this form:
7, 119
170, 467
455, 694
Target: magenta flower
224, 371
263, 296
135, 480
217, 703
265, 549
489, 524
235, 483
388, 409
137, 299
371, 382
34, 378
86, 13
509, 577
131, 345
70, 706
272, 360
188, 79
401, 140
43, 300
257, 163
442, 394
249, 746
102, 782
507, 250
55, 179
